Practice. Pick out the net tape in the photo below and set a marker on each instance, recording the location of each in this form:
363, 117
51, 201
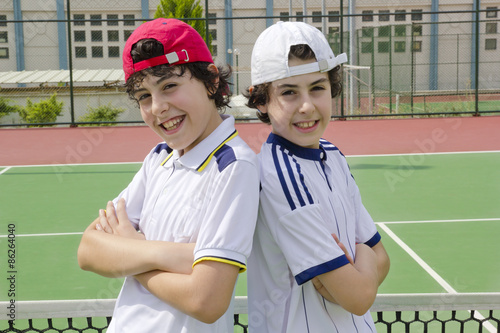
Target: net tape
393, 313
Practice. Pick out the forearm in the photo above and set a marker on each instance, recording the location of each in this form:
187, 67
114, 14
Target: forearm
383, 262
205, 294
354, 287
114, 256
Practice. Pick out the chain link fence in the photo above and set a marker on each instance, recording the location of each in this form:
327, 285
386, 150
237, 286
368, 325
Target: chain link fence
406, 59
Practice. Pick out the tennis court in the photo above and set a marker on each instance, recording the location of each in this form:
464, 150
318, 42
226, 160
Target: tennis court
438, 213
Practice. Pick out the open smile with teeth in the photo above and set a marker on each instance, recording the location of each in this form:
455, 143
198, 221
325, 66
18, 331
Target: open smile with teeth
172, 123
305, 124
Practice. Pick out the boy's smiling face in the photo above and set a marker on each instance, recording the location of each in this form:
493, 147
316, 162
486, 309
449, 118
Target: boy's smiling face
300, 106
178, 109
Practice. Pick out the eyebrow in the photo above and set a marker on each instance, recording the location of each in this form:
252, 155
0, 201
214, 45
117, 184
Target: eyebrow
159, 81
286, 85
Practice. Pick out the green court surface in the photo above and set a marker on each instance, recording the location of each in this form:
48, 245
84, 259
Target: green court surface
438, 214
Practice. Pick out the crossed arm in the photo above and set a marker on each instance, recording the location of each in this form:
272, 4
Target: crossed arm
112, 247
354, 286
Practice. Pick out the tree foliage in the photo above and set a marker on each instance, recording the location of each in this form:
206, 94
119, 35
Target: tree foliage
184, 9
6, 108
45, 111
100, 114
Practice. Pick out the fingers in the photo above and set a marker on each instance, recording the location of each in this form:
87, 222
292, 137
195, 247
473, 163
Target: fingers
103, 222
343, 248
121, 211
111, 215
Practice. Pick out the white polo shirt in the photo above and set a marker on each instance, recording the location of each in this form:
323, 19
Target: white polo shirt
306, 195
208, 196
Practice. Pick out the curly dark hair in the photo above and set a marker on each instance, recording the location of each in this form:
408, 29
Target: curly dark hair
260, 93
150, 48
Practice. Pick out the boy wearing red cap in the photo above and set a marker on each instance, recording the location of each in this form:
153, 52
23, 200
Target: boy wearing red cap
317, 258
194, 200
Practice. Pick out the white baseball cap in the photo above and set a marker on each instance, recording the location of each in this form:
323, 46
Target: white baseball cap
270, 52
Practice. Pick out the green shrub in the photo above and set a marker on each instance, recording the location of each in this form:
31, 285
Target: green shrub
100, 114
45, 111
6, 108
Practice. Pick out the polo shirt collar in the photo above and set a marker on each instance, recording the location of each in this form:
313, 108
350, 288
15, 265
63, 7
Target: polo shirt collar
302, 152
195, 158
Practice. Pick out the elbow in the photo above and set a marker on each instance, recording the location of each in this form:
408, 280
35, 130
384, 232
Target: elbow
208, 312
362, 303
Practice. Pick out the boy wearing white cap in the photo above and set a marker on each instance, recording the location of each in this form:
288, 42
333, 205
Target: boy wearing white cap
194, 200
317, 259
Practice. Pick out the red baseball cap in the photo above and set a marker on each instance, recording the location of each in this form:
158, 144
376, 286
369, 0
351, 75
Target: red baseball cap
181, 44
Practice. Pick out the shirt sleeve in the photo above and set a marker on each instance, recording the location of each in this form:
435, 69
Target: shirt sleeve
226, 233
302, 234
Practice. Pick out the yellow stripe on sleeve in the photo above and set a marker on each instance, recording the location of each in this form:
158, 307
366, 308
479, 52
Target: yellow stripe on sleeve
242, 267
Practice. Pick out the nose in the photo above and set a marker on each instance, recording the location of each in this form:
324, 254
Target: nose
307, 104
159, 106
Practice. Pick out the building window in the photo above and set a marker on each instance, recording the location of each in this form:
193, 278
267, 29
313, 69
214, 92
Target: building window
96, 36
213, 33
417, 30
126, 34
97, 52
4, 38
366, 47
491, 28
284, 16
333, 16
129, 20
300, 16
367, 31
384, 31
4, 53
400, 30
78, 19
214, 50
400, 15
490, 44
212, 18
113, 52
317, 17
113, 36
3, 19
79, 35
112, 19
367, 16
416, 15
384, 15
95, 19
400, 46
417, 46
333, 30
383, 47
80, 52
491, 12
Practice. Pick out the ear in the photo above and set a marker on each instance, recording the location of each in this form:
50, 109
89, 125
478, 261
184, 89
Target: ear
214, 70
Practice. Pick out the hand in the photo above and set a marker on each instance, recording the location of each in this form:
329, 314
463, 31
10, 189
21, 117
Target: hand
116, 222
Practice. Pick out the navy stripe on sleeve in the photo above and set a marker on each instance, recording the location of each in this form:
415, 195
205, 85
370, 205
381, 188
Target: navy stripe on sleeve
374, 240
325, 267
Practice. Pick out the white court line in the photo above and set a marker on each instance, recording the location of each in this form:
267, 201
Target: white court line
430, 153
368, 155
5, 170
439, 221
431, 272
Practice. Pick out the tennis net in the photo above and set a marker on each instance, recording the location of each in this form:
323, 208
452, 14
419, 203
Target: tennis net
464, 312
